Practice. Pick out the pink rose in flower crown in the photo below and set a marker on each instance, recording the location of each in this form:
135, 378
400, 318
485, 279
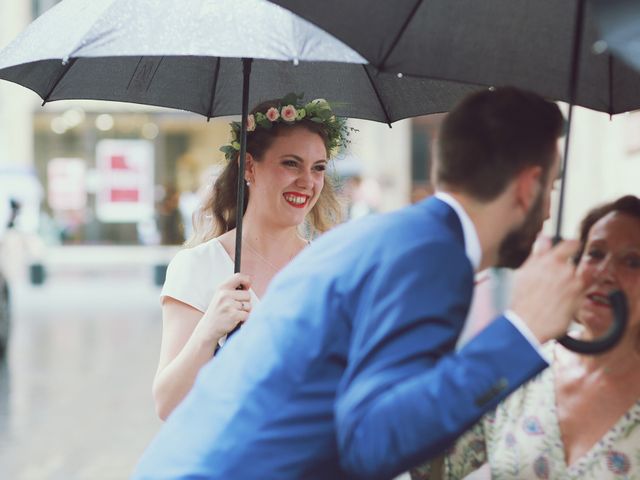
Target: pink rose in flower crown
289, 113
251, 123
273, 114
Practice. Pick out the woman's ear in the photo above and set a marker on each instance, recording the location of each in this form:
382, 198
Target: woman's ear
249, 168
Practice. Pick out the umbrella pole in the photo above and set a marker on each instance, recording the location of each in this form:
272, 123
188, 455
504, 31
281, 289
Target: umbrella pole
573, 87
246, 75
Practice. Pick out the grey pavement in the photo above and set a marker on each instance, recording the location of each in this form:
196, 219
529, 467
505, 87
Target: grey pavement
75, 392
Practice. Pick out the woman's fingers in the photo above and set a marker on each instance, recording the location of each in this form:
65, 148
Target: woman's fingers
237, 280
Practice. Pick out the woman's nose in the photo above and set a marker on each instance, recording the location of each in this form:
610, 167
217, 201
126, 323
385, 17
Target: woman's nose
306, 178
606, 269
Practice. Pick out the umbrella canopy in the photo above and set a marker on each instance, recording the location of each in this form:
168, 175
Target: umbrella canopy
493, 42
618, 22
185, 55
543, 46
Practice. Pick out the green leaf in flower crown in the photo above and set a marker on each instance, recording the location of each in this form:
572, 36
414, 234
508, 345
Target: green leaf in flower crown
228, 150
324, 114
290, 99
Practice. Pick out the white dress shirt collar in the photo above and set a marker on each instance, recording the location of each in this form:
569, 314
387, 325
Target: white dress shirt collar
471, 240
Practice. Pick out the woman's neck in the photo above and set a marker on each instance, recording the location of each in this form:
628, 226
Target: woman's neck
621, 361
267, 238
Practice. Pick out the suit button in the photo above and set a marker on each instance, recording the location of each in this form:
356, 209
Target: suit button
494, 391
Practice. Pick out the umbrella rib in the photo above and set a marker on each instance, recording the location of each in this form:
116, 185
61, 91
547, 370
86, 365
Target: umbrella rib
377, 92
399, 34
214, 87
64, 71
611, 109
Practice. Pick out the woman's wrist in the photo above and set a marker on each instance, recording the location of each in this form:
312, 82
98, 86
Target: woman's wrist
206, 340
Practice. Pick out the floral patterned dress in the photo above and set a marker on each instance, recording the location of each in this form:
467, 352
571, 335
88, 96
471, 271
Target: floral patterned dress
521, 440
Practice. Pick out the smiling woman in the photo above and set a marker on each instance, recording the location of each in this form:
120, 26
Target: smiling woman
288, 147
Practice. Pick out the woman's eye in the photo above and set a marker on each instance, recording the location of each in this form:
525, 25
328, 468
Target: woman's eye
632, 262
320, 168
290, 163
595, 254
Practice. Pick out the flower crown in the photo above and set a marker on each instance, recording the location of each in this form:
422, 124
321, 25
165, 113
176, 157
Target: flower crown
289, 110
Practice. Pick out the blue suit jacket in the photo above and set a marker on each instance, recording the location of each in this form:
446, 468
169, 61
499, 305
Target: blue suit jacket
347, 368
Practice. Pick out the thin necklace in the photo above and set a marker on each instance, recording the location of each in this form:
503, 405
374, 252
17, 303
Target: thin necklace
259, 255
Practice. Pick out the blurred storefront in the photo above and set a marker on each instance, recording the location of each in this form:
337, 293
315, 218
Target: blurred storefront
110, 176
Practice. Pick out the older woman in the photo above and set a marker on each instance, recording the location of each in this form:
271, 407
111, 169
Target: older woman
579, 419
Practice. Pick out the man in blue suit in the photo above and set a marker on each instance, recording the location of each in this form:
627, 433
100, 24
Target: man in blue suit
347, 369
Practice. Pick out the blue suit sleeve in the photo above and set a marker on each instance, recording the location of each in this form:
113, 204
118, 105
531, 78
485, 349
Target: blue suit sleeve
406, 395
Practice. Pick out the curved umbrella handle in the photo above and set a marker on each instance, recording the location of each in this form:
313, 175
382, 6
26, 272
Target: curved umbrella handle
609, 339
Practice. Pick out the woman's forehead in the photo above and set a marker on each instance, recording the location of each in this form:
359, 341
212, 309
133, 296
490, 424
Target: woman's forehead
617, 224
301, 142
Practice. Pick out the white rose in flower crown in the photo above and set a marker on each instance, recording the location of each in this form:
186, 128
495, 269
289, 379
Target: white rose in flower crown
251, 123
273, 114
320, 101
289, 113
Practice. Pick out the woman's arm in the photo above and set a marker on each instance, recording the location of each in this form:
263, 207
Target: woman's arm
182, 353
189, 338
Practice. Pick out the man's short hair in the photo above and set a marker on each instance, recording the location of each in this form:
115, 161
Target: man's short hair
491, 136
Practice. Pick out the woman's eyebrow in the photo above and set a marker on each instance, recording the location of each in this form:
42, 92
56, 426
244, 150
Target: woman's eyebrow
291, 155
300, 159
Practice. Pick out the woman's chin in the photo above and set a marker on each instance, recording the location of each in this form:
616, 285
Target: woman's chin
596, 326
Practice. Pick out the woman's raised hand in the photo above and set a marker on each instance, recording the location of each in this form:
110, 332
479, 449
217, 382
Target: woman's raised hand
229, 306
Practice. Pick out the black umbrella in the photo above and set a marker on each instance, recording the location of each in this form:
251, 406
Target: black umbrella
544, 46
202, 57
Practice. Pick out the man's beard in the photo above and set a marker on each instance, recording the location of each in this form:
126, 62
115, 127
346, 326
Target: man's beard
516, 246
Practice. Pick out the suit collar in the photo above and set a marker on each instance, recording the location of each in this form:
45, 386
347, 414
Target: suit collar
469, 234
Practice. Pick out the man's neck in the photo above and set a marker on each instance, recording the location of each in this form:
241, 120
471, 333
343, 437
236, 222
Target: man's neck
491, 223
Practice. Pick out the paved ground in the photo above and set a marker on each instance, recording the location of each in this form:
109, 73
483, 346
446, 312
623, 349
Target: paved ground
75, 399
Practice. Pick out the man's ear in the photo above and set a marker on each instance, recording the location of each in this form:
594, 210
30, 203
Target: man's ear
528, 185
